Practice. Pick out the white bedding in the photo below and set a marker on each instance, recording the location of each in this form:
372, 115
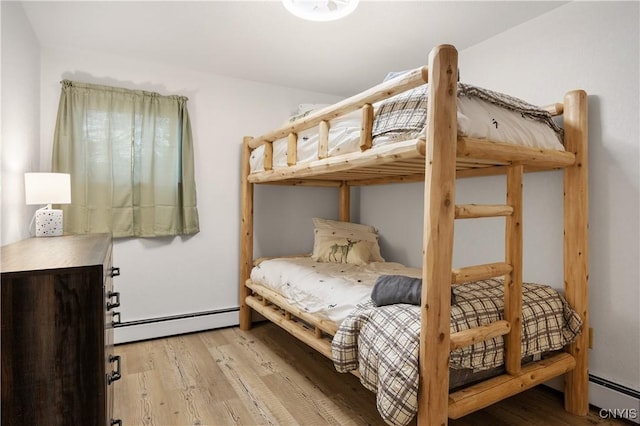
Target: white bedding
476, 118
322, 288
344, 137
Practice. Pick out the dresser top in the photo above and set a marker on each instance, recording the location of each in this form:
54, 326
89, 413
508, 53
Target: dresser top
45, 253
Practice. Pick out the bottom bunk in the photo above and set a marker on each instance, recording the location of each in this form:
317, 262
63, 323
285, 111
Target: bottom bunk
329, 307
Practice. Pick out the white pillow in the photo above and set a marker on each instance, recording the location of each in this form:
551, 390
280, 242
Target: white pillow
342, 250
304, 110
327, 228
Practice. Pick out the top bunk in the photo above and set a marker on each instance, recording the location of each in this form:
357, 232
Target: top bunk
384, 134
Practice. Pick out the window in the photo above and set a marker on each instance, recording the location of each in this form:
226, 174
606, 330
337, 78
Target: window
130, 156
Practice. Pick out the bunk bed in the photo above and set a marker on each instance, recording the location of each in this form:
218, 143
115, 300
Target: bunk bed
438, 156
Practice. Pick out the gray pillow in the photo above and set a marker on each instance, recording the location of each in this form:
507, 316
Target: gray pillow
393, 289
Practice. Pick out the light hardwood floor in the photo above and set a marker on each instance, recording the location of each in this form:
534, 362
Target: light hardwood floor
266, 377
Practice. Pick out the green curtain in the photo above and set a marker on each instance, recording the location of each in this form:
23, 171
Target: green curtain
130, 156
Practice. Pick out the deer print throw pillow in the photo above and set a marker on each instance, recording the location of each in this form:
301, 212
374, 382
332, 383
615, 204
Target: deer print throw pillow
342, 250
326, 228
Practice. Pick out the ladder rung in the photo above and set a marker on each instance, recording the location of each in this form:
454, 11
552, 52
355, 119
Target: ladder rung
480, 272
474, 335
472, 211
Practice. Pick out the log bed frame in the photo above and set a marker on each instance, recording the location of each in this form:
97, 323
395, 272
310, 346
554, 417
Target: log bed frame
438, 161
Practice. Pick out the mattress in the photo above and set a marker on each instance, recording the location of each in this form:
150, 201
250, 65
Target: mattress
328, 290
481, 114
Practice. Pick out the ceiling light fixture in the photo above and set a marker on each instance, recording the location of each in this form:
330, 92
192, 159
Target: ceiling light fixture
320, 10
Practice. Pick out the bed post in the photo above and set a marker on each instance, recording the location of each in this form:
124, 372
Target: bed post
345, 202
439, 208
246, 235
576, 246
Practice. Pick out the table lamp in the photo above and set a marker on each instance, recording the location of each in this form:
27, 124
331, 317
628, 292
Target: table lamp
47, 188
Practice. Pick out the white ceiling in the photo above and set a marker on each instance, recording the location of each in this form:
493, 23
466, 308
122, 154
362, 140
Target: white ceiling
259, 40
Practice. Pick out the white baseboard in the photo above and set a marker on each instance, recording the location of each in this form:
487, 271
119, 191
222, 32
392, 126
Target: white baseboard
170, 326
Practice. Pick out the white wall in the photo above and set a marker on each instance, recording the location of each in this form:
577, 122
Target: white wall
588, 45
20, 121
593, 46
175, 276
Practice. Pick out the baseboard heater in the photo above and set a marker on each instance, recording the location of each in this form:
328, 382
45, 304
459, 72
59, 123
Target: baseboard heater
615, 386
614, 401
171, 325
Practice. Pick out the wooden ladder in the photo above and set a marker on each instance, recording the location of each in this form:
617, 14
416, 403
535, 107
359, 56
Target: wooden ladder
511, 269
574, 361
435, 403
517, 378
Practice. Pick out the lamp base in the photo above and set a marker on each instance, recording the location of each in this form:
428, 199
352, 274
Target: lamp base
48, 223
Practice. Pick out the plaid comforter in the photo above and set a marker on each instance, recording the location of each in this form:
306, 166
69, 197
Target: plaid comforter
383, 342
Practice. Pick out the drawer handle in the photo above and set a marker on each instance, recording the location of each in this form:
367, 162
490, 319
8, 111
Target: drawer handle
116, 422
115, 321
114, 375
115, 272
114, 304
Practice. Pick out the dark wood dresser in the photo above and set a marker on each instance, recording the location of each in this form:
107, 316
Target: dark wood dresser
57, 331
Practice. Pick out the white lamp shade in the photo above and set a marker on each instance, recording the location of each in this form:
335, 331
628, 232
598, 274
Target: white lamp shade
320, 10
47, 188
